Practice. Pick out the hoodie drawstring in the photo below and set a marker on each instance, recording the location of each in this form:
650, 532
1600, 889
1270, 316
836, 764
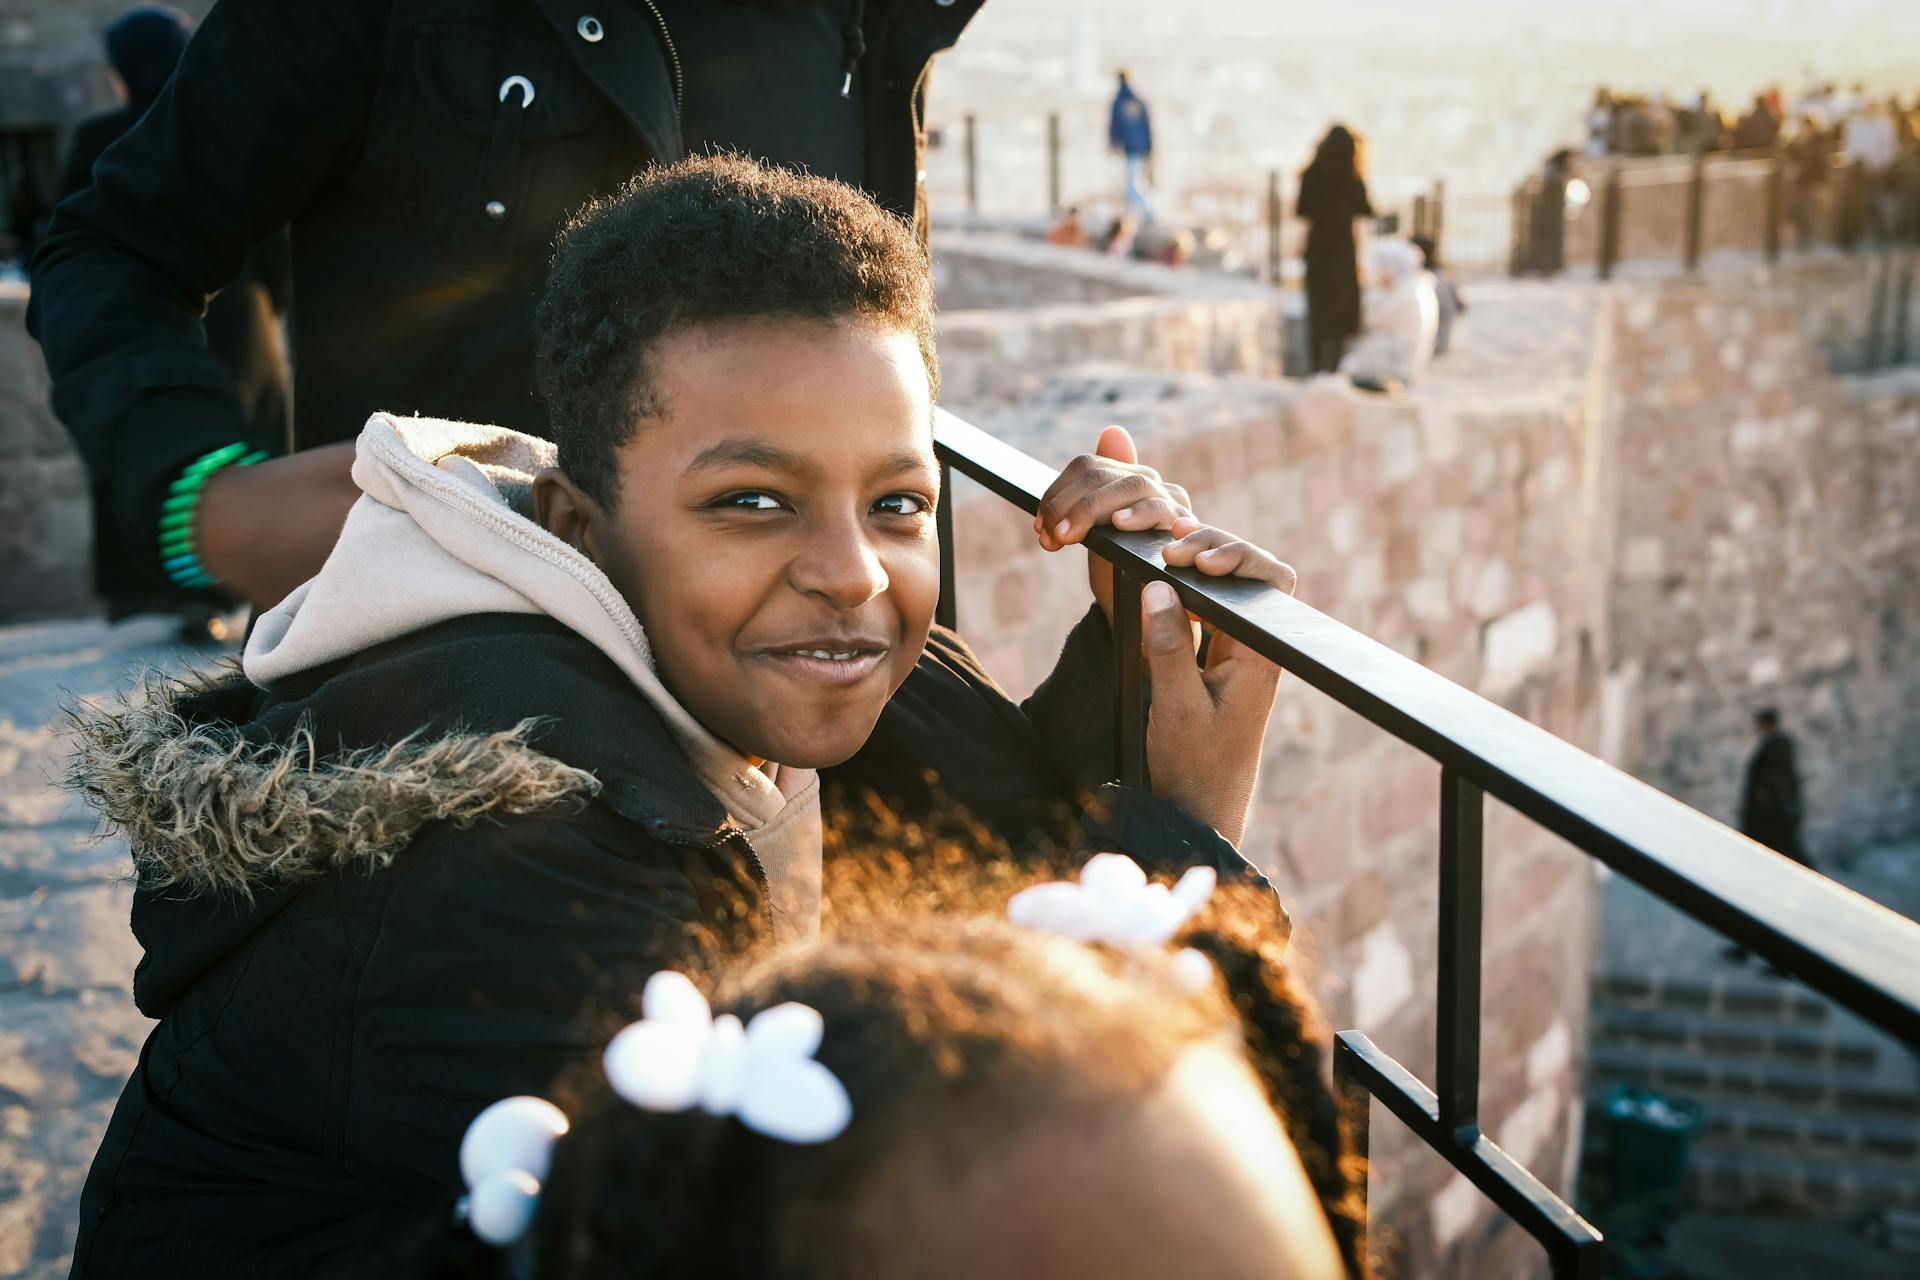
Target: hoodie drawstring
853, 44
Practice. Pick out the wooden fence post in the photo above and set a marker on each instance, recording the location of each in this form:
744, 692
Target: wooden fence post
1275, 212
973, 164
1053, 162
1776, 184
1696, 210
1610, 227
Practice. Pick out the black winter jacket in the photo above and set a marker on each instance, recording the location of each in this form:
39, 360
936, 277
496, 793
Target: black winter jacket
423, 187
501, 882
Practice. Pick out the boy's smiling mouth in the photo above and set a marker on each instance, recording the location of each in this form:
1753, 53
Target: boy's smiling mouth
837, 663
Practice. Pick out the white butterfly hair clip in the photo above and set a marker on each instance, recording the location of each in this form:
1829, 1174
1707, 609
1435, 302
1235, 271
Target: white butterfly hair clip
676, 1057
679, 1056
1114, 903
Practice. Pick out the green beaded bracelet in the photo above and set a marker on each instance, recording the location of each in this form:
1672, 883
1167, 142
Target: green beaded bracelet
178, 554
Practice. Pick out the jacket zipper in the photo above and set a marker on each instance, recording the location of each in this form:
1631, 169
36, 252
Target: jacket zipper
673, 55
737, 837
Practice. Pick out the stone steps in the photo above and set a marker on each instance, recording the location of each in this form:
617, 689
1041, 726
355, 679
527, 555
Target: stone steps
1806, 1108
1820, 1046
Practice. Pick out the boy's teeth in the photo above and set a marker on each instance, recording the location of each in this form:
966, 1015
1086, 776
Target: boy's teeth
831, 657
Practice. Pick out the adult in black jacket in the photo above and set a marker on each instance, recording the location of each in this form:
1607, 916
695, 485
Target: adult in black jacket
423, 153
1333, 193
242, 320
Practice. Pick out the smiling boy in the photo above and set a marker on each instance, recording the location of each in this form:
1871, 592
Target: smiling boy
547, 719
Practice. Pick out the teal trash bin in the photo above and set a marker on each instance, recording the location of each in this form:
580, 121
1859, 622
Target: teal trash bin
1649, 1137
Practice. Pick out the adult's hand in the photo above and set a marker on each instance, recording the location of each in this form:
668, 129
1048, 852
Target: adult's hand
265, 529
1206, 725
1108, 486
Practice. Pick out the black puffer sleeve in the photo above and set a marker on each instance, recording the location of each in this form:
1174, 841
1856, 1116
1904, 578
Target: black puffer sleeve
269, 99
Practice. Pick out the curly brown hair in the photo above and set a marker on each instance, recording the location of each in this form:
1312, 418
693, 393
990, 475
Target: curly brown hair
934, 1006
710, 238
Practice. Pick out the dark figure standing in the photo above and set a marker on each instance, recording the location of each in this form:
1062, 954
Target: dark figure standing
242, 320
1770, 799
1549, 229
1333, 193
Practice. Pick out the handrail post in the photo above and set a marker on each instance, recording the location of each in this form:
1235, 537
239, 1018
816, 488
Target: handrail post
1610, 226
1355, 1104
1462, 807
946, 611
1053, 162
1696, 210
973, 163
1437, 215
1275, 212
1130, 679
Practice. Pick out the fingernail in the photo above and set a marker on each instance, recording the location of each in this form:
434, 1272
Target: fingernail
1060, 530
1159, 597
1124, 513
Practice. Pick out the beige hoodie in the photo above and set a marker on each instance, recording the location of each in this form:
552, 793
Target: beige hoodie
443, 530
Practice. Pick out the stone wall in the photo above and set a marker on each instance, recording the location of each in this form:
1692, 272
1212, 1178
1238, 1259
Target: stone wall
1769, 555
1628, 512
45, 533
1469, 539
1011, 310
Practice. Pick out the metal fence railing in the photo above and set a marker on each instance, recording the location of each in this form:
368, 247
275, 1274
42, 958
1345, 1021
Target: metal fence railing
1837, 942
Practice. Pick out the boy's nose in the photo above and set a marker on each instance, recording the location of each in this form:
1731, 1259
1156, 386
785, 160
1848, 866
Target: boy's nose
839, 565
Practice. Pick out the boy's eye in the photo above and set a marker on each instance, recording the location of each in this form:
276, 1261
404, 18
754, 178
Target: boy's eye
749, 501
903, 504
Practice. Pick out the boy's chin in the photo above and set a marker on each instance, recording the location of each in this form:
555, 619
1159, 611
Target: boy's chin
822, 747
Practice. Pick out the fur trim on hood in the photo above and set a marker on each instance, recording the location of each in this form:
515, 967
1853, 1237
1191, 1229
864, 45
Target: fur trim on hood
206, 810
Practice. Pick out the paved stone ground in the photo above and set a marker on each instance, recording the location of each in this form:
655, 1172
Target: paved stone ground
69, 1033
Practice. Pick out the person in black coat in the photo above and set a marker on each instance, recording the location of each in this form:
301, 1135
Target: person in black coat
1333, 194
242, 320
1770, 797
423, 153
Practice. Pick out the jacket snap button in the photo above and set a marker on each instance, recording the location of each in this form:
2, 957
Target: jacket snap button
590, 29
496, 210
525, 86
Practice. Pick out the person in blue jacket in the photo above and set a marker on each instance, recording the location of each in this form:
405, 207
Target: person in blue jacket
1130, 133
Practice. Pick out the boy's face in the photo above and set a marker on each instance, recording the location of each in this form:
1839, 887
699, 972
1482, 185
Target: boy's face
774, 529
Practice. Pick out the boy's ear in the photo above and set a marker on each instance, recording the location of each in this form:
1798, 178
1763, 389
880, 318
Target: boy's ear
567, 511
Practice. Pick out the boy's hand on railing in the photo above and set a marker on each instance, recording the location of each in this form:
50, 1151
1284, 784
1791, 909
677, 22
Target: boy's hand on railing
1206, 725
1108, 486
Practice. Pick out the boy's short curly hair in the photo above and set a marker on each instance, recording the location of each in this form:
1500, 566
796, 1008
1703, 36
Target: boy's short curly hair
717, 237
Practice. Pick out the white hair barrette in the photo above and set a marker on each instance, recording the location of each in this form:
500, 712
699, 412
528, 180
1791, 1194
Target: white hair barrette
676, 1057
680, 1056
1114, 903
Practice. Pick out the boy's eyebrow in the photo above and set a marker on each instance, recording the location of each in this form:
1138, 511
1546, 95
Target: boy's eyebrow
899, 462
742, 452
749, 453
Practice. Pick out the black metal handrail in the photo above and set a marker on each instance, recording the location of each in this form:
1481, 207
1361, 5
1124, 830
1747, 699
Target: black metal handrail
1841, 944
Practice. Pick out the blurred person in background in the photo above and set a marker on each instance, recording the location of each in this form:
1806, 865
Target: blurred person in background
1600, 124
1333, 195
1549, 229
242, 320
1068, 230
1808, 157
1451, 304
1402, 319
1130, 135
1759, 128
1870, 140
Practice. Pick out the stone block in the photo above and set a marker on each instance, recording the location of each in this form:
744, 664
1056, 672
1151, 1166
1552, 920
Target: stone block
1513, 647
